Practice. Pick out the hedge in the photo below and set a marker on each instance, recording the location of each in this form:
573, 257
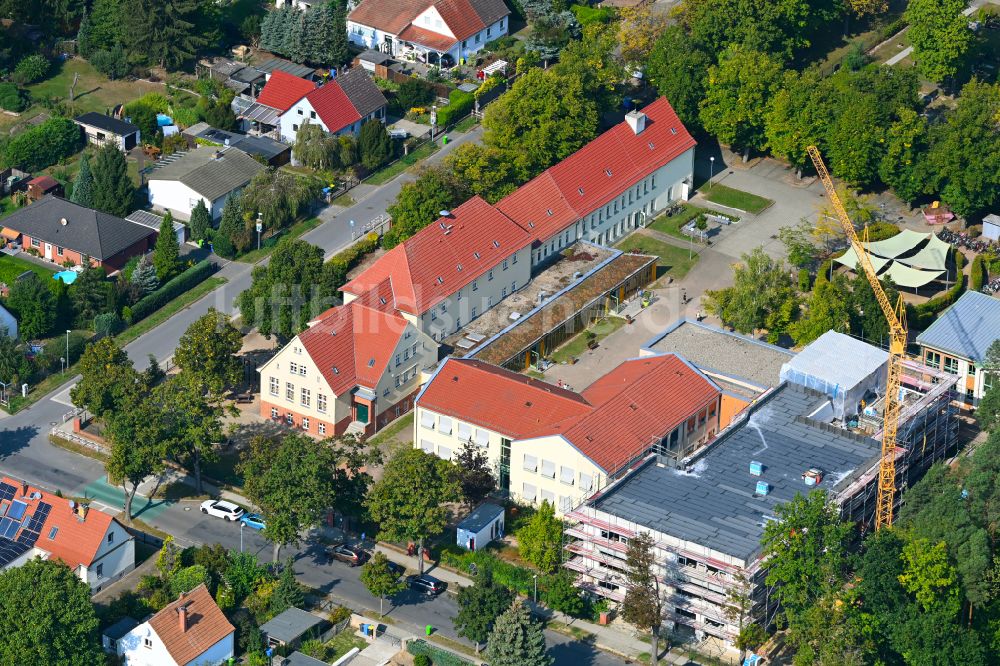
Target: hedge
177, 286
978, 274
459, 105
587, 15
879, 231
42, 145
350, 257
438, 656
921, 316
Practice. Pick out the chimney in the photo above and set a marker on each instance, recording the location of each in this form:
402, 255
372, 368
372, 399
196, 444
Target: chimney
182, 616
24, 488
636, 120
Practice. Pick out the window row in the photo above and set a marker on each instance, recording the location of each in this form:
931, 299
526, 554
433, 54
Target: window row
567, 475
446, 426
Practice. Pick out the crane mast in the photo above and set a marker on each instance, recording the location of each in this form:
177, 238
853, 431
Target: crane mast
895, 315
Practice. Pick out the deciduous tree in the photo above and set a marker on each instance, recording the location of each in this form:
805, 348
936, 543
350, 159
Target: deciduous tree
208, 350
940, 36
737, 94
643, 605
34, 304
91, 295
827, 309
106, 373
380, 579
410, 501
474, 473
678, 67
315, 148
420, 202
540, 540
762, 296
902, 166
988, 411
479, 606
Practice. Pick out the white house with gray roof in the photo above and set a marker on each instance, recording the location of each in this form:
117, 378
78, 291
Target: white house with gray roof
207, 173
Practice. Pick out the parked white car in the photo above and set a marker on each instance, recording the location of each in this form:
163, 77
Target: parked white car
222, 509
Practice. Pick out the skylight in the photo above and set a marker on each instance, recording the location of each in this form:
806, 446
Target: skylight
607, 172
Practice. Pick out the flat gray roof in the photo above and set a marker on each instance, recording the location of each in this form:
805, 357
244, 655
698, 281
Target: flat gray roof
481, 516
713, 350
290, 624
713, 501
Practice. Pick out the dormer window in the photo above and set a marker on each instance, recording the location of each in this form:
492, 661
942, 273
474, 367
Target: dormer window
476, 255
651, 146
673, 130
459, 268
336, 370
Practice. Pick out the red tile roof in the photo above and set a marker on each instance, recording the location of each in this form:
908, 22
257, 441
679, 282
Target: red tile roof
461, 17
610, 422
428, 38
44, 182
388, 15
598, 172
444, 257
283, 90
206, 625
352, 344
499, 399
76, 541
464, 18
333, 106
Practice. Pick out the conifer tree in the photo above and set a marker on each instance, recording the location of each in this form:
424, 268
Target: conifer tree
200, 221
166, 255
83, 186
114, 190
517, 640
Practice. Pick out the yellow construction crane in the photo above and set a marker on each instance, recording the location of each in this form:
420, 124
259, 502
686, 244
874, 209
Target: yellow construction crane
895, 315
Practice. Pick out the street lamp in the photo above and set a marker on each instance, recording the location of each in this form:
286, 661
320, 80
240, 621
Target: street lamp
62, 364
711, 170
67, 347
260, 227
535, 579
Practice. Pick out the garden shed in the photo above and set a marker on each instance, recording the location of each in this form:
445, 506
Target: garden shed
481, 527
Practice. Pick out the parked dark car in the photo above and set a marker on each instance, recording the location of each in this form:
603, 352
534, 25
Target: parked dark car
428, 585
348, 554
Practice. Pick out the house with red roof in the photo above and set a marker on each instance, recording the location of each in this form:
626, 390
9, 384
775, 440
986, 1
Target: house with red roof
36, 523
436, 32
616, 183
551, 443
340, 106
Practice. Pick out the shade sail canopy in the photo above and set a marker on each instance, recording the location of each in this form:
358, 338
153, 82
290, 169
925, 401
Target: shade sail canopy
889, 258
905, 276
903, 242
934, 255
850, 259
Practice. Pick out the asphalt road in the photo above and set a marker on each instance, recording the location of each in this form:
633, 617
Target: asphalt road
411, 611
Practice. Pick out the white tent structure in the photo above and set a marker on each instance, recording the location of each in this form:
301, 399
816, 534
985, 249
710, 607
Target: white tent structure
909, 258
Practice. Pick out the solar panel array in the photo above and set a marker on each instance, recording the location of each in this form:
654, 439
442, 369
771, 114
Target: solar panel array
30, 527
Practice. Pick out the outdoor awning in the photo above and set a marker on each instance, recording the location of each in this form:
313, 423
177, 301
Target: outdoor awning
934, 255
850, 259
901, 243
904, 276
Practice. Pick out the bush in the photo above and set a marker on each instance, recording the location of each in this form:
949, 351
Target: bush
155, 101
13, 98
589, 15
414, 92
346, 259
978, 276
107, 323
437, 656
459, 105
185, 117
421, 660
169, 291
339, 614
31, 69
879, 231
112, 64
43, 145
804, 281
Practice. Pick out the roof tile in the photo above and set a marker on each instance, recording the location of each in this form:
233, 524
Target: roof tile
206, 625
283, 90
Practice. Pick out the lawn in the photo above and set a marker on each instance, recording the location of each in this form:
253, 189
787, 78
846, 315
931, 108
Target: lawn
465, 124
672, 225
168, 310
402, 164
267, 247
576, 345
344, 200
11, 267
94, 91
738, 199
341, 644
674, 261
390, 434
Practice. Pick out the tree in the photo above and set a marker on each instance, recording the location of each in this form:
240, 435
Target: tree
201, 221
410, 501
374, 144
643, 603
827, 309
46, 616
114, 191
736, 97
15, 368
380, 579
639, 29
83, 186
542, 119
517, 640
230, 227
479, 606
112, 64
279, 197
420, 202
166, 254
288, 593
193, 421
288, 292
42, 145
487, 171
940, 36
208, 350
30, 69
170, 34
867, 320
906, 146
562, 595
930, 577
144, 276
34, 305
806, 550
854, 142
540, 540
106, 372
988, 411
414, 92
799, 244
91, 295
677, 67
315, 148
292, 481
474, 473
762, 296
135, 432
596, 62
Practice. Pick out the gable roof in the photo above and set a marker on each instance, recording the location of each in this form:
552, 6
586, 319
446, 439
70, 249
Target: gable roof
387, 15
333, 107
48, 523
597, 173
283, 90
206, 625
365, 96
967, 328
610, 422
106, 123
88, 231
210, 171
443, 257
464, 18
352, 345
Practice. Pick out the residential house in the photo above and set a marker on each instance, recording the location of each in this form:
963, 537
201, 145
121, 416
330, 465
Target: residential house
207, 174
35, 523
453, 270
550, 443
191, 631
39, 186
436, 32
281, 91
101, 129
958, 340
8, 323
613, 185
354, 369
63, 232
340, 106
